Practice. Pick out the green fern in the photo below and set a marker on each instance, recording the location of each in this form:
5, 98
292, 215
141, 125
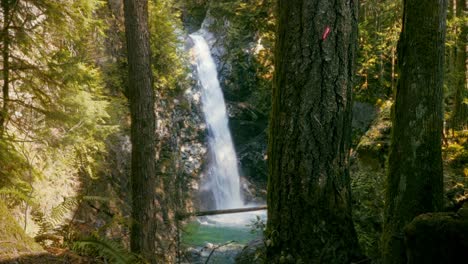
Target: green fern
12, 193
70, 203
106, 248
41, 220
58, 212
50, 223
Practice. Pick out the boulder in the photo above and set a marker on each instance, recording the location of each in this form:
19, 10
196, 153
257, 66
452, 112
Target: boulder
438, 238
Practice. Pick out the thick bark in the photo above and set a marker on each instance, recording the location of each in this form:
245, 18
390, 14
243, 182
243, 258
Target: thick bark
309, 201
142, 99
415, 179
5, 4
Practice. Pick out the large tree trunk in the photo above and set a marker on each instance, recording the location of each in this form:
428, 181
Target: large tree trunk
141, 95
309, 200
415, 179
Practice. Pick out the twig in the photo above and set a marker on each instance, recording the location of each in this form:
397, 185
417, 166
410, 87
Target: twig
362, 261
99, 210
186, 258
215, 248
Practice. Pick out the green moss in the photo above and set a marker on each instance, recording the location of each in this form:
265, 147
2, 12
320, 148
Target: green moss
13, 240
443, 233
457, 155
379, 131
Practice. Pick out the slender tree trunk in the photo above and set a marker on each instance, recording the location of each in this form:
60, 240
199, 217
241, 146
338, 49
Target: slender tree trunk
142, 99
415, 179
309, 200
393, 70
6, 65
460, 107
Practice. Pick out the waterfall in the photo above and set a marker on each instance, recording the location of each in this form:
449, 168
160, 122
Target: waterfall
223, 174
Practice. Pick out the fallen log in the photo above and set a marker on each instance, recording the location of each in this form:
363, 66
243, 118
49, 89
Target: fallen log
224, 211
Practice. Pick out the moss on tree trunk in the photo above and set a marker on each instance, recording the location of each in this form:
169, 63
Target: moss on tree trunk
415, 179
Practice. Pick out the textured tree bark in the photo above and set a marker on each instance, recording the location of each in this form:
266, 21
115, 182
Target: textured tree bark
309, 200
5, 4
142, 99
415, 179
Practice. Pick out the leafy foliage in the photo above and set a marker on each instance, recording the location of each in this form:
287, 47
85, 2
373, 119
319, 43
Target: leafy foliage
455, 91
249, 28
170, 67
379, 28
61, 217
12, 167
61, 113
12, 194
258, 225
102, 247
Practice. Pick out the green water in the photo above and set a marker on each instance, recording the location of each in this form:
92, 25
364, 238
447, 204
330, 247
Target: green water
231, 239
227, 235
197, 234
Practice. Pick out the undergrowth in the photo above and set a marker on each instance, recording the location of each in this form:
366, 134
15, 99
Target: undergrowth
112, 251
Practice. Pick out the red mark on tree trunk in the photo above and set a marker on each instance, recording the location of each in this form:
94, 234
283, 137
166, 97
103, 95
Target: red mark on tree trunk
326, 33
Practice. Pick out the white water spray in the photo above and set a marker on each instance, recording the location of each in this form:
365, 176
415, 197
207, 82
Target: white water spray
223, 178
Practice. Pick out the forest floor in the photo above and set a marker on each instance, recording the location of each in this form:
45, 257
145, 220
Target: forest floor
18, 248
51, 256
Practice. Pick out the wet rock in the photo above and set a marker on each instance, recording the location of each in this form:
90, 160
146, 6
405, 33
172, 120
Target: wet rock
193, 14
216, 253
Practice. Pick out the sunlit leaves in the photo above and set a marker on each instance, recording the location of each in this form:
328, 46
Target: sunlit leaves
169, 67
379, 28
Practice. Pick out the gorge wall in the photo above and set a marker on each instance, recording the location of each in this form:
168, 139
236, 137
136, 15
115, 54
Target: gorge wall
242, 52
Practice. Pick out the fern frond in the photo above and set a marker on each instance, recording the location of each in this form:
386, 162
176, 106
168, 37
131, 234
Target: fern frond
58, 212
109, 249
15, 193
41, 220
69, 204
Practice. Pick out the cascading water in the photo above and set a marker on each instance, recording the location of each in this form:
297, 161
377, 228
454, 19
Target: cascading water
223, 178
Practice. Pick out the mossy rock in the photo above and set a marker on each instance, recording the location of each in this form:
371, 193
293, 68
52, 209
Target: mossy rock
13, 241
374, 144
438, 238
